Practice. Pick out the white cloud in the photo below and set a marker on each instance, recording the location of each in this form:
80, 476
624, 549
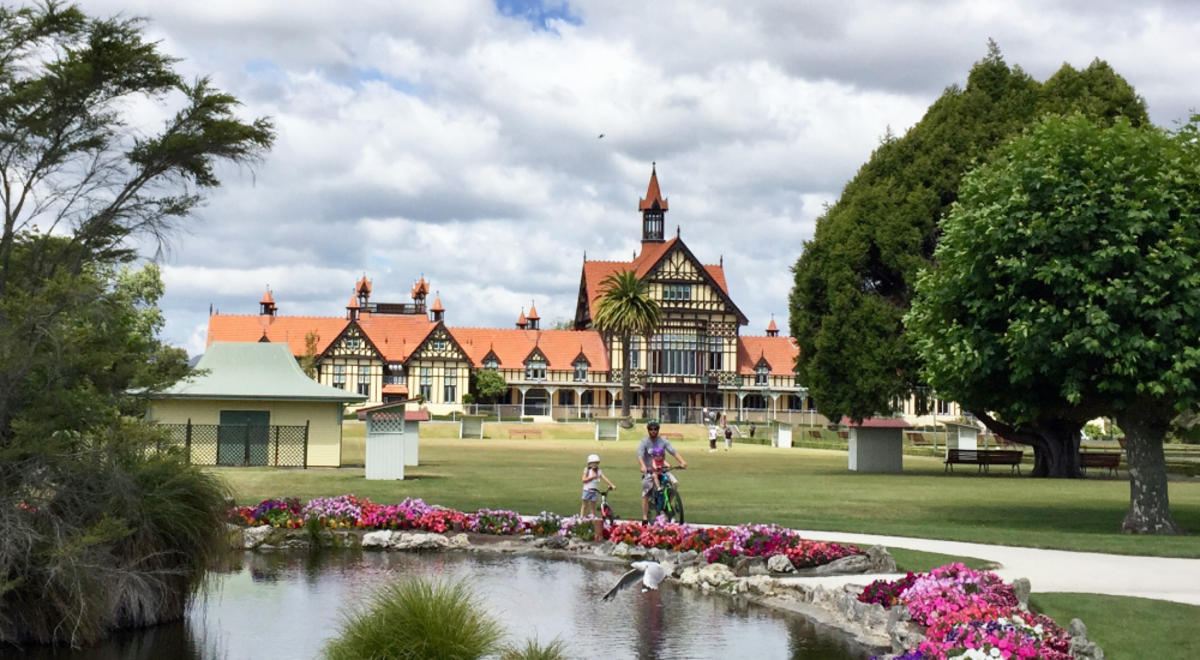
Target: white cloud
444, 139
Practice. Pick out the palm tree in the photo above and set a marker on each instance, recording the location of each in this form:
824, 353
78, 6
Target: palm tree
626, 309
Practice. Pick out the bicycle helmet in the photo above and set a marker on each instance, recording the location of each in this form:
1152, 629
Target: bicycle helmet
657, 452
652, 424
593, 458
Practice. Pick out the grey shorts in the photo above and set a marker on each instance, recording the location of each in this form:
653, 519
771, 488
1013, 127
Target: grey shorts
591, 495
648, 482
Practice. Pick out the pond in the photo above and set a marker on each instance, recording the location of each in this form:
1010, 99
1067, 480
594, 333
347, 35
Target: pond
284, 606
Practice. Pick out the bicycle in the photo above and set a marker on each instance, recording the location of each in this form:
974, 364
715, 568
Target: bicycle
606, 512
666, 500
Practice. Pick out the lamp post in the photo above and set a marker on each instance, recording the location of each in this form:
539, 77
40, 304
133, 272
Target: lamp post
739, 382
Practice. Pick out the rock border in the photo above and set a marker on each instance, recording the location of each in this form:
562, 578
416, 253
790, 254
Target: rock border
771, 584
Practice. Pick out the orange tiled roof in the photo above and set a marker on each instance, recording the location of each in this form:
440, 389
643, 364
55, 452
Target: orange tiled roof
420, 289
521, 320
772, 327
513, 346
402, 390
654, 198
289, 330
533, 315
594, 272
363, 286
353, 304
396, 336
780, 353
437, 305
267, 299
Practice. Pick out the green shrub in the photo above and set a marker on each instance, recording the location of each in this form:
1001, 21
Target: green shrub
417, 620
109, 538
532, 650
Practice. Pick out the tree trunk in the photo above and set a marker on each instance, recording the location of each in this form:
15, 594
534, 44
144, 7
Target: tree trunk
1149, 505
1055, 444
626, 374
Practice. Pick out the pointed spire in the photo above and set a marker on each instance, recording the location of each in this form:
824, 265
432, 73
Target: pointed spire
521, 322
654, 199
533, 315
420, 289
363, 287
352, 308
772, 329
267, 299
266, 305
437, 304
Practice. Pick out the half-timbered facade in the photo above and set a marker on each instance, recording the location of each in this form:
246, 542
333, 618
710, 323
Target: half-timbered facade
697, 358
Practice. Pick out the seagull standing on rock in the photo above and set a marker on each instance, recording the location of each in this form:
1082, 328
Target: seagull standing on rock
649, 573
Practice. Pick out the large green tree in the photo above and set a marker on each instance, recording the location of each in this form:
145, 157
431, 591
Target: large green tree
1067, 285
96, 531
626, 310
854, 280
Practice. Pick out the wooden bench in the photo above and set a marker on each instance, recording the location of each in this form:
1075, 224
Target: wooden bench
1100, 459
984, 458
815, 434
671, 436
918, 439
844, 435
524, 433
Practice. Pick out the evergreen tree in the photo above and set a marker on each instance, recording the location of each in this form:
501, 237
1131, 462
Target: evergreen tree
854, 280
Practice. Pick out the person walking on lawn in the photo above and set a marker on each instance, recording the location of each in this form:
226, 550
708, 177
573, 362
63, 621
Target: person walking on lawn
645, 448
712, 438
728, 438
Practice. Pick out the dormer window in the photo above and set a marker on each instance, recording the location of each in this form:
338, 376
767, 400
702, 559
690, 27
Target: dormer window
491, 363
581, 371
535, 369
760, 375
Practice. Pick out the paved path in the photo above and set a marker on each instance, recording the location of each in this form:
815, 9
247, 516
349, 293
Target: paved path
1162, 578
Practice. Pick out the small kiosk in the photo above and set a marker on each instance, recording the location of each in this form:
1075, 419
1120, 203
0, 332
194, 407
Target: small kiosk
783, 434
962, 436
472, 427
877, 445
387, 438
608, 428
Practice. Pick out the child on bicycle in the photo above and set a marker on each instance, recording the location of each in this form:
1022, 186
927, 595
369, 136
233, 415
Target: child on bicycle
658, 463
591, 485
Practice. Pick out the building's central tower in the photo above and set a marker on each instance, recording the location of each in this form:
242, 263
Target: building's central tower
652, 207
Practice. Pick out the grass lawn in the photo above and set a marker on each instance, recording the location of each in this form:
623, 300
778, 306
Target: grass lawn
802, 488
1128, 628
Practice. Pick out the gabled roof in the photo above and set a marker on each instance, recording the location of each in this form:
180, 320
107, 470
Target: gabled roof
512, 346
779, 352
288, 330
420, 289
595, 272
396, 337
429, 337
259, 371
363, 286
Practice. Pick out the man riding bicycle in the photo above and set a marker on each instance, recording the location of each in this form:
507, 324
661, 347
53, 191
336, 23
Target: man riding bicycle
647, 448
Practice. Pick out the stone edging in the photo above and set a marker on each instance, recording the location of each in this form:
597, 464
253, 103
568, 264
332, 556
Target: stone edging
870, 625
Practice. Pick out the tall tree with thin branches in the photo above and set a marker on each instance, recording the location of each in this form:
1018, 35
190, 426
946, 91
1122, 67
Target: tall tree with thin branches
626, 310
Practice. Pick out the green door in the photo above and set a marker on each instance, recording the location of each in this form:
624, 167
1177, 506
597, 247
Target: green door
244, 437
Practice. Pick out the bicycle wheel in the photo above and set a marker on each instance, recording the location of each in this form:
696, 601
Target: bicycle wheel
658, 505
607, 514
676, 506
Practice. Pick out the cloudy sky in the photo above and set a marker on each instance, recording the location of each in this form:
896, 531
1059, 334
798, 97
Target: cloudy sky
457, 139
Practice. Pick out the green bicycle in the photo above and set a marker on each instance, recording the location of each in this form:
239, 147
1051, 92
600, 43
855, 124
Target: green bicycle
665, 501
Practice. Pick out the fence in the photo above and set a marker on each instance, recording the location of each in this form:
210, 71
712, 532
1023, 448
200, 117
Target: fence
241, 445
667, 413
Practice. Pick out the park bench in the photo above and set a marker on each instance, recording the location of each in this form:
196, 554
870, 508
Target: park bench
984, 458
671, 436
918, 440
815, 434
524, 433
844, 435
1100, 459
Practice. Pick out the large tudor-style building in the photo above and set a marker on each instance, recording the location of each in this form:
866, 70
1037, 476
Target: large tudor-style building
388, 351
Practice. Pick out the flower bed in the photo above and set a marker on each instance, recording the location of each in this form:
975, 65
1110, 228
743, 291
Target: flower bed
716, 544
970, 615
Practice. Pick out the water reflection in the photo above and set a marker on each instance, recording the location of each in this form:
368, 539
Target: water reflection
284, 606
